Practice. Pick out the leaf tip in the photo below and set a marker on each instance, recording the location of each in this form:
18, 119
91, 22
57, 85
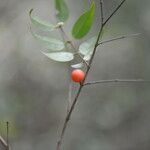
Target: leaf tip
84, 23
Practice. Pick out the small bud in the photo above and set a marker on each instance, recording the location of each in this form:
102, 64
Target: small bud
59, 24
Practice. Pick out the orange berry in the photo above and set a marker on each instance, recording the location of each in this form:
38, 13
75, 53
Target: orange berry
77, 75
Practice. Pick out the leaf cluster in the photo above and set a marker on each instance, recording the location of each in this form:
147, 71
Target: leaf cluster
57, 49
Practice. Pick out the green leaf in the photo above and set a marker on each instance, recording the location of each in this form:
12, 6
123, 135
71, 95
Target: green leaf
63, 11
84, 23
43, 25
49, 43
60, 56
79, 65
88, 46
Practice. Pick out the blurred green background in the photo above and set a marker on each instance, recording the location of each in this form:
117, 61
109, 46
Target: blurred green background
34, 89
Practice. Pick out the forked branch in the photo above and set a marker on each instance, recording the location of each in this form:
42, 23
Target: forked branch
103, 23
114, 12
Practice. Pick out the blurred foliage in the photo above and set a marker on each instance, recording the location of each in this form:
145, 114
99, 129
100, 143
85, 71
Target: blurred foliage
34, 89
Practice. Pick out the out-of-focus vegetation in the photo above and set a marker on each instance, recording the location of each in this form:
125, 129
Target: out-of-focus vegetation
34, 89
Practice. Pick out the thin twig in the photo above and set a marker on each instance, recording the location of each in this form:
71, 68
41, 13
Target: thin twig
65, 36
119, 38
84, 61
117, 81
78, 93
102, 12
68, 118
114, 12
59, 143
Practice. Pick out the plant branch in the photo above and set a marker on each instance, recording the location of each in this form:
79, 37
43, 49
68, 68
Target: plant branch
119, 38
65, 36
70, 105
77, 95
114, 12
83, 59
117, 81
68, 116
102, 12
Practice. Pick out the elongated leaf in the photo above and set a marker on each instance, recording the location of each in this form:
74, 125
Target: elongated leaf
84, 23
60, 56
79, 65
49, 43
43, 25
88, 46
63, 11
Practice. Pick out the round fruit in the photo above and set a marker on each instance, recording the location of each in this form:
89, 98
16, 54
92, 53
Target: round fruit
77, 75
